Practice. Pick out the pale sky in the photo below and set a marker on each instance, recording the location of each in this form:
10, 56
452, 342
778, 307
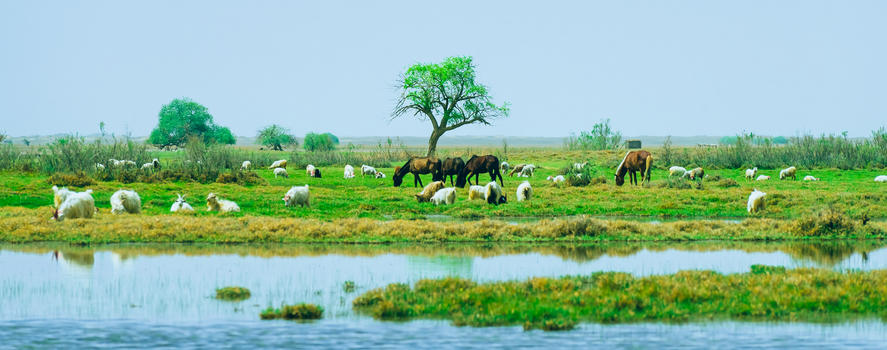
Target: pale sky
653, 67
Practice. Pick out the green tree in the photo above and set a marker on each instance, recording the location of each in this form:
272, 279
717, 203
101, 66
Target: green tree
446, 95
780, 140
332, 137
319, 142
276, 137
182, 118
601, 137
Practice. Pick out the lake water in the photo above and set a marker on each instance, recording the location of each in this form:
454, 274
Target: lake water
162, 295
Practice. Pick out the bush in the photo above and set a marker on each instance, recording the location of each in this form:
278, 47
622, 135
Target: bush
293, 312
319, 142
232, 293
79, 179
767, 270
828, 222
587, 176
725, 183
601, 137
243, 178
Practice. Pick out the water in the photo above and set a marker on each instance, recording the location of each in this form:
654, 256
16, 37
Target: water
162, 295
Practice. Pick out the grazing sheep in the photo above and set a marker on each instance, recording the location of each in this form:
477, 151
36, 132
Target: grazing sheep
810, 178
278, 164
524, 191
367, 170
763, 178
881, 178
505, 166
444, 196
517, 169
429, 191
349, 171
214, 203
297, 195
380, 175
750, 173
125, 201
476, 192
677, 171
75, 205
695, 174
309, 170
317, 174
281, 172
114, 162
154, 164
579, 166
99, 166
557, 179
128, 162
59, 195
756, 201
528, 170
180, 205
788, 173
493, 194
246, 165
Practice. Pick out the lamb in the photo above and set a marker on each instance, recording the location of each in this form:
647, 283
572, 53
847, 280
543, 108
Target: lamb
788, 173
154, 164
317, 174
246, 165
297, 195
280, 172
881, 178
810, 178
557, 179
763, 178
524, 191
309, 170
180, 205
528, 170
505, 166
59, 195
278, 164
75, 205
517, 169
444, 196
579, 166
349, 171
756, 201
476, 192
750, 173
429, 191
493, 194
695, 174
125, 201
380, 175
677, 171
367, 170
214, 203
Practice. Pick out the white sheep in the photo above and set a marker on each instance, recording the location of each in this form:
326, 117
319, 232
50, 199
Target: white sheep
677, 171
444, 196
278, 164
810, 178
367, 170
557, 179
114, 162
763, 178
214, 203
493, 194
99, 166
309, 170
579, 166
505, 166
246, 165
281, 172
297, 195
180, 205
528, 170
154, 164
476, 192
349, 171
380, 175
750, 173
524, 191
129, 163
755, 201
788, 173
59, 195
125, 201
75, 205
881, 178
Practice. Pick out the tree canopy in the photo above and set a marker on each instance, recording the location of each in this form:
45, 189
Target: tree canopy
182, 118
447, 95
276, 137
320, 142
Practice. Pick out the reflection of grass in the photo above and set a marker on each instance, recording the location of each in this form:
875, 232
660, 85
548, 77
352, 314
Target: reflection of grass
766, 293
349, 286
232, 293
293, 312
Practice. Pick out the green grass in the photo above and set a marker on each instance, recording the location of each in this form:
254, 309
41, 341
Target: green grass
293, 312
232, 293
766, 293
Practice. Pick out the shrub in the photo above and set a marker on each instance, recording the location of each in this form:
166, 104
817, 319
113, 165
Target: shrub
242, 178
293, 312
725, 183
587, 176
319, 142
232, 293
766, 270
600, 137
78, 179
349, 286
830, 221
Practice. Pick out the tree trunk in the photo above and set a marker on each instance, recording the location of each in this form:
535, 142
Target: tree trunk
432, 142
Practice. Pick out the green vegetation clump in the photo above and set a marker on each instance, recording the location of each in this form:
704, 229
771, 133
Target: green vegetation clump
276, 137
766, 293
601, 137
727, 183
182, 119
232, 293
320, 142
243, 178
827, 222
766, 269
78, 179
349, 286
293, 312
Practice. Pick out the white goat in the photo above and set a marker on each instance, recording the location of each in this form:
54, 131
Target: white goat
154, 164
444, 196
528, 170
810, 178
750, 173
349, 171
505, 166
367, 170
246, 165
99, 166
756, 201
75, 205
524, 191
493, 194
59, 195
297, 195
677, 171
788, 173
125, 201
281, 172
214, 203
309, 170
180, 205
557, 179
476, 192
763, 178
579, 166
881, 178
278, 164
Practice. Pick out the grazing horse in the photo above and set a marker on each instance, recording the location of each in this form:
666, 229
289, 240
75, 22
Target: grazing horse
451, 167
477, 165
634, 161
418, 165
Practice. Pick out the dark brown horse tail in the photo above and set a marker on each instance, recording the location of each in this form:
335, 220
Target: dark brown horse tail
649, 168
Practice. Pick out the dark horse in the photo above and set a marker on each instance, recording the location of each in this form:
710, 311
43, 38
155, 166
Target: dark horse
452, 166
634, 161
418, 165
477, 165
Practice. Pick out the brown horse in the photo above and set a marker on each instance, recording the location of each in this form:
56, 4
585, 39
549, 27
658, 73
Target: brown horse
418, 165
477, 165
634, 161
451, 167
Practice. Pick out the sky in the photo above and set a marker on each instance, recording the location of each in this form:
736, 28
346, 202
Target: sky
653, 67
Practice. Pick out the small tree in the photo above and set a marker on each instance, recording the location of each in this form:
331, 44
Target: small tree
447, 96
2, 136
318, 142
276, 137
182, 118
601, 137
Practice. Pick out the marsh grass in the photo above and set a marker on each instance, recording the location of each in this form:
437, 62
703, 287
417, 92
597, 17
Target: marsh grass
293, 312
765, 293
232, 293
349, 286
